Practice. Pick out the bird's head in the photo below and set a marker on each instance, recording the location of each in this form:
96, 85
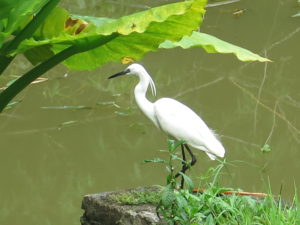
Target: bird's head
137, 70
133, 69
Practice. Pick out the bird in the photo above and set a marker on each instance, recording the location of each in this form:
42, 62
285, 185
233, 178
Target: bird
175, 119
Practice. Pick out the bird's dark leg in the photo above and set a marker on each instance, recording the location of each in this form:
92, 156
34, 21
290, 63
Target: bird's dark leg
194, 159
184, 164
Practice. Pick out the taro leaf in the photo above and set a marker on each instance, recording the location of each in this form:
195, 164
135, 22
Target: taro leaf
98, 21
54, 28
212, 44
139, 33
54, 24
14, 14
38, 54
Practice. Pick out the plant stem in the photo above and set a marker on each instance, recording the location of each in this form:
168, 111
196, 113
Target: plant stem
27, 32
9, 93
5, 61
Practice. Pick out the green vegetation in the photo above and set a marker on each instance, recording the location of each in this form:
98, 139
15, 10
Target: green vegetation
266, 148
48, 35
137, 197
212, 206
212, 44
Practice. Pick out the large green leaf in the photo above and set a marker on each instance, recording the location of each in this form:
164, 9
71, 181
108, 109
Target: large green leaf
14, 14
139, 33
212, 44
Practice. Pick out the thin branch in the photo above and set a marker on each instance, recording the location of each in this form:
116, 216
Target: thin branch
273, 124
285, 38
259, 93
199, 87
291, 128
240, 141
265, 106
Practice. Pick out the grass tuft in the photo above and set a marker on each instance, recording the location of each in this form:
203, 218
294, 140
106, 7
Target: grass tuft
137, 197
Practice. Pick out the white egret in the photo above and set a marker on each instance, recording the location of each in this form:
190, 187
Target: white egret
174, 118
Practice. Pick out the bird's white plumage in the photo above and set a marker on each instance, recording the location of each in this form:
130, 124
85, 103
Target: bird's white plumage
174, 118
181, 122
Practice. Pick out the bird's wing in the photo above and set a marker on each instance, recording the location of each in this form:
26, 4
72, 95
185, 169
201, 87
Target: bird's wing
181, 122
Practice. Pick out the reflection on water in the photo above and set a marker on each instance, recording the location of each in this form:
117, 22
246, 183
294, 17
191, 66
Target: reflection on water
80, 133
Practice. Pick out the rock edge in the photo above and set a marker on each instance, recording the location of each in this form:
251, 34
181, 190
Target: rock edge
99, 209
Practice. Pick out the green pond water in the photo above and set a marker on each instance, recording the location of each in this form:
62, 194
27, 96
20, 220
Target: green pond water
51, 157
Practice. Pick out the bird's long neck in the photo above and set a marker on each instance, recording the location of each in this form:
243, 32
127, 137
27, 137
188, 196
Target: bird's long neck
144, 104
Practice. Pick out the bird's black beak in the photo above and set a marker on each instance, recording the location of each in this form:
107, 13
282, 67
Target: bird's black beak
119, 74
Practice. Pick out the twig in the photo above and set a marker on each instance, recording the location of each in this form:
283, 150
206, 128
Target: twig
265, 106
254, 194
240, 141
285, 38
259, 92
199, 87
291, 128
273, 125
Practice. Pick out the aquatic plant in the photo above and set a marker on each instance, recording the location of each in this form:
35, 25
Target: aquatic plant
48, 35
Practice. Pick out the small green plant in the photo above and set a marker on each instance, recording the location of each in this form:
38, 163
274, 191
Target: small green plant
212, 206
170, 164
175, 204
266, 148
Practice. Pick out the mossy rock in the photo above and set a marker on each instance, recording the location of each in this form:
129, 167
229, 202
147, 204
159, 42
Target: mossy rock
109, 208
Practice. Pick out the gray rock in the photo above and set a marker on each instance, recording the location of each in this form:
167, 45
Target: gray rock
99, 209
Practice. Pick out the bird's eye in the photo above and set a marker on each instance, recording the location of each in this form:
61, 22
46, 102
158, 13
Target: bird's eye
127, 71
